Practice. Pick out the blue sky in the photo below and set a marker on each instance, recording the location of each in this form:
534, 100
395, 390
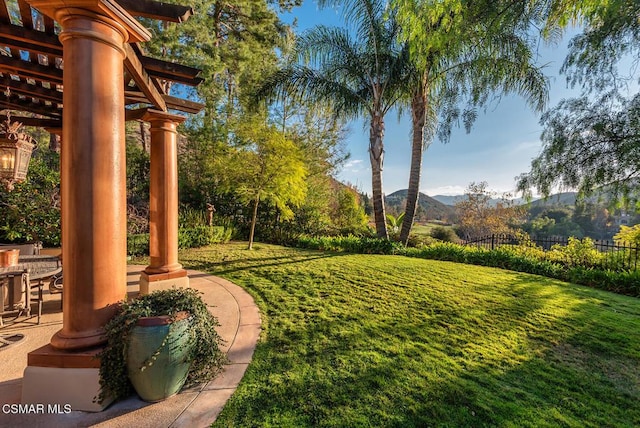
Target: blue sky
501, 145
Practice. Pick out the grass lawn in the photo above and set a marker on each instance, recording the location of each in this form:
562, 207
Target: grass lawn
366, 340
425, 229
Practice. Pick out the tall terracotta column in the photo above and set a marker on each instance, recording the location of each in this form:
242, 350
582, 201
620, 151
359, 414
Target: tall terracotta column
163, 203
93, 164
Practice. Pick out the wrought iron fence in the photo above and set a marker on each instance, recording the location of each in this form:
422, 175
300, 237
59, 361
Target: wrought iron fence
616, 256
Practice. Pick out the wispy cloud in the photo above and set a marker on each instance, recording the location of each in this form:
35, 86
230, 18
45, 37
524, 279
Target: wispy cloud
353, 165
444, 190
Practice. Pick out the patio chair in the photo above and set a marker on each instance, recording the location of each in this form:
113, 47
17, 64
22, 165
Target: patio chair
16, 283
55, 286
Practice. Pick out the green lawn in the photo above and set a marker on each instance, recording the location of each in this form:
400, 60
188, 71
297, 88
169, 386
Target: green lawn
362, 340
425, 229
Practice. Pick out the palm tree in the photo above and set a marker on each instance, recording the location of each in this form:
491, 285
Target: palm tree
356, 73
467, 54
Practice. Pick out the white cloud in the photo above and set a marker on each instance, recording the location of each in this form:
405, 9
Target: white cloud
444, 190
352, 164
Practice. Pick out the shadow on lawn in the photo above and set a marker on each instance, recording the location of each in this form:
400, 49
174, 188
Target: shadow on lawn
450, 365
229, 266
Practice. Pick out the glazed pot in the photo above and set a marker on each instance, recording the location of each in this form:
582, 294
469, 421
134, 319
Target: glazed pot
157, 356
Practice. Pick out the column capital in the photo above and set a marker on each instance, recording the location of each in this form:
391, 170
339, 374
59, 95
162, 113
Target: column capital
152, 115
58, 9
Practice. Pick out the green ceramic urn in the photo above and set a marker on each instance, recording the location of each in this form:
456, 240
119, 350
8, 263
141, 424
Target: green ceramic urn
157, 356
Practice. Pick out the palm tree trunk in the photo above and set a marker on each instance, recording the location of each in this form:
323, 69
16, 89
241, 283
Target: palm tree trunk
254, 218
376, 155
418, 111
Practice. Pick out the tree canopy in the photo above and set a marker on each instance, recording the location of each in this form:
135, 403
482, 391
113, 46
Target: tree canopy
591, 142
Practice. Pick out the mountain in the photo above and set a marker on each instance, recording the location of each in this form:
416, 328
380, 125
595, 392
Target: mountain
452, 200
564, 199
428, 207
447, 199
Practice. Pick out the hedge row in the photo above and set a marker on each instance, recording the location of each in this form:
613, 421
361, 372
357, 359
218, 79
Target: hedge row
350, 244
191, 237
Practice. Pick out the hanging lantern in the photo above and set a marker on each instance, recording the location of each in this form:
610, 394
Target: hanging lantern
15, 153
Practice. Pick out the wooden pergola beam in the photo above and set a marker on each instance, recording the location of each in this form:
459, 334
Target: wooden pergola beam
37, 122
4, 12
31, 37
174, 103
173, 72
157, 10
30, 70
28, 46
31, 90
25, 14
141, 77
22, 105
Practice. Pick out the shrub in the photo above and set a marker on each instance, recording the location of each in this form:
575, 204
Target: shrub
523, 258
577, 253
189, 217
418, 241
200, 236
350, 244
445, 234
138, 245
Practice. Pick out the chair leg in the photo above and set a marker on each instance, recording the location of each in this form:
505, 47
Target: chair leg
27, 292
40, 300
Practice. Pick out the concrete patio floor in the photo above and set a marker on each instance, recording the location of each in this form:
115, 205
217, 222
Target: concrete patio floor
239, 320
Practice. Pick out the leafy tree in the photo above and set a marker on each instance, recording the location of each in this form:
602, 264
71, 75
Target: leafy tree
461, 52
477, 217
266, 167
592, 143
31, 211
354, 73
348, 215
233, 43
589, 144
628, 235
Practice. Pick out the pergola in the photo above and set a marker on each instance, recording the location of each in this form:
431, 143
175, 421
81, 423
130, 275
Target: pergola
79, 69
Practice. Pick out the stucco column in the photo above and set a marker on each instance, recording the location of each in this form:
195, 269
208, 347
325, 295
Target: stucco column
163, 200
93, 175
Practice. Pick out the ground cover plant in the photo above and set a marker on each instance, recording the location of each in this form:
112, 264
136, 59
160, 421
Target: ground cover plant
383, 340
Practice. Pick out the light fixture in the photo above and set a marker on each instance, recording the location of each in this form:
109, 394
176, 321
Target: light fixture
15, 153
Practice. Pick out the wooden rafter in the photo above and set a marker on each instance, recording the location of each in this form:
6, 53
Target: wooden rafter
25, 14
30, 106
30, 70
175, 103
35, 81
175, 72
4, 12
29, 39
139, 74
157, 10
30, 90
39, 122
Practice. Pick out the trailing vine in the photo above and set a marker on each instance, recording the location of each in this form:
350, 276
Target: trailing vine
205, 355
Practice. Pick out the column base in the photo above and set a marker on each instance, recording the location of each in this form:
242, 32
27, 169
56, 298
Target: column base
63, 380
163, 281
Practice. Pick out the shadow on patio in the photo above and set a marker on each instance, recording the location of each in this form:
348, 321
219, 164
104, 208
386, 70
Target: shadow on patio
199, 406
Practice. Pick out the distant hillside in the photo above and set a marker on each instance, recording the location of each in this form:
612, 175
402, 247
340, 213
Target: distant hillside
428, 207
448, 200
562, 199
452, 200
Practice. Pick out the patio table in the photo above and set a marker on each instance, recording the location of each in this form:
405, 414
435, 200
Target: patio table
39, 268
